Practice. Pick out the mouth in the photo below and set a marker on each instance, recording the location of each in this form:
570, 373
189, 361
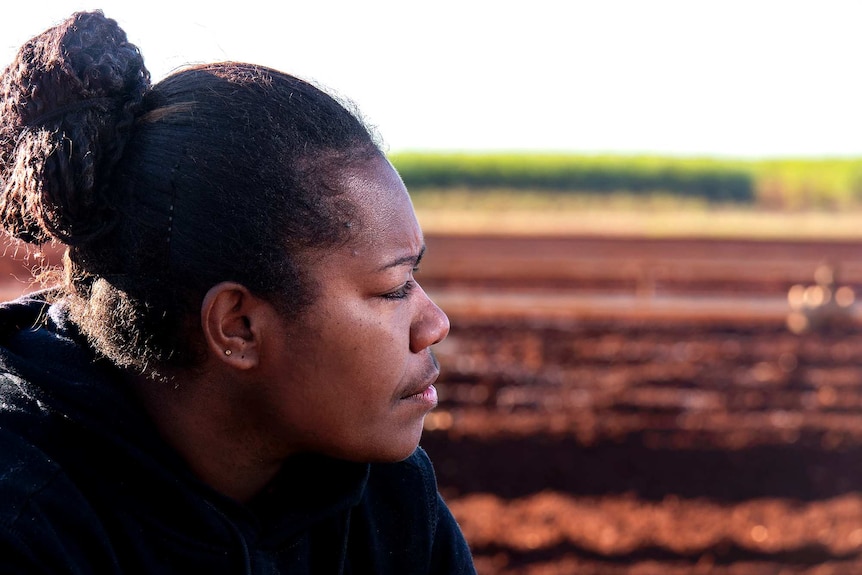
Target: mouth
425, 391
426, 395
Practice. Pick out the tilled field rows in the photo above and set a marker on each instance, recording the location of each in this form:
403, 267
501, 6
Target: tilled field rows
622, 426
610, 439
643, 266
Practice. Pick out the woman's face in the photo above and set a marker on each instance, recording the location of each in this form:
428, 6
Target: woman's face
352, 376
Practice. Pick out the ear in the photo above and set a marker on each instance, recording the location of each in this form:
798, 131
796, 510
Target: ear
230, 319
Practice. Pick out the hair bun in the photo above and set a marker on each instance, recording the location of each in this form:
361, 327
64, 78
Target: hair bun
67, 106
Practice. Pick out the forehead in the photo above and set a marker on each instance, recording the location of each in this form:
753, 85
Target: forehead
385, 216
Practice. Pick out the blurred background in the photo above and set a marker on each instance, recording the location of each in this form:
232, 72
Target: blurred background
644, 220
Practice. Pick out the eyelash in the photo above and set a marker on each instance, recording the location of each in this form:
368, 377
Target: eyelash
402, 292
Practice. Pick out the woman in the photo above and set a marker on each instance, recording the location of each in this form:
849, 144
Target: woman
233, 374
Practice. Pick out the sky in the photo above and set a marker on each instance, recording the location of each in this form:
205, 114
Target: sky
728, 78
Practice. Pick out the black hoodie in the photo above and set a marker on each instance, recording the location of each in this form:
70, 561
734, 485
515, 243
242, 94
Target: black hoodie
88, 486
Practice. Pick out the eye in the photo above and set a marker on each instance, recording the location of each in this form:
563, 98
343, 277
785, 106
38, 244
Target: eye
402, 292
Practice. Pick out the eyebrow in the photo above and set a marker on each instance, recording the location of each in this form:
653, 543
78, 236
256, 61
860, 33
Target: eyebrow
413, 261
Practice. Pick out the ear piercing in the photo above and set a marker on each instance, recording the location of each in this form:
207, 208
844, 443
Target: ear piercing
227, 352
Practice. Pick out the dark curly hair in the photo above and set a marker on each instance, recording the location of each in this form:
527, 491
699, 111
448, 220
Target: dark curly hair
225, 171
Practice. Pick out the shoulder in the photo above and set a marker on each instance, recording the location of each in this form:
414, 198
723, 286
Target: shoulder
28, 475
23, 313
46, 524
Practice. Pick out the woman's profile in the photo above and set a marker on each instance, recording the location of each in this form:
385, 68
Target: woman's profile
232, 370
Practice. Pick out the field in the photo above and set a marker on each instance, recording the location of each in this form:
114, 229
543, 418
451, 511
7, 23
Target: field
650, 406
637, 405
782, 183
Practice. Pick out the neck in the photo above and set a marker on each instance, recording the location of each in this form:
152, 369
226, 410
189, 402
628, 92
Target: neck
209, 430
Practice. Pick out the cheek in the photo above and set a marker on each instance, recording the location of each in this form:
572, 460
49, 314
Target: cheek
360, 344
376, 359
371, 326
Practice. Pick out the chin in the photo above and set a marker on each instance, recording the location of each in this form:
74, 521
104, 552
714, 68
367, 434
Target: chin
395, 453
409, 445
389, 450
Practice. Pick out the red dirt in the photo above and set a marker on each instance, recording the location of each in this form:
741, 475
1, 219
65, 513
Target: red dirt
634, 450
640, 407
591, 426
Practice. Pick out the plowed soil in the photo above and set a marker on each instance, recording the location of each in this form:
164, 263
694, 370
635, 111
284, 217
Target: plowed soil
649, 407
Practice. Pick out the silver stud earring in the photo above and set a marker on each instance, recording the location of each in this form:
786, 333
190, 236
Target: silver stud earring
227, 352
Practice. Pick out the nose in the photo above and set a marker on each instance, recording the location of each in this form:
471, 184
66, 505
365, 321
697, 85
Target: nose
430, 326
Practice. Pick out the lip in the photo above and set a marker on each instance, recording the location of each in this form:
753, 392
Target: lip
428, 396
425, 392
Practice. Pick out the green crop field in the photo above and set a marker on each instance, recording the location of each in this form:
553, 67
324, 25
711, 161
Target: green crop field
644, 195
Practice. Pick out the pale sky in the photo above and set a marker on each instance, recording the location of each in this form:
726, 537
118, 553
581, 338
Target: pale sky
744, 78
